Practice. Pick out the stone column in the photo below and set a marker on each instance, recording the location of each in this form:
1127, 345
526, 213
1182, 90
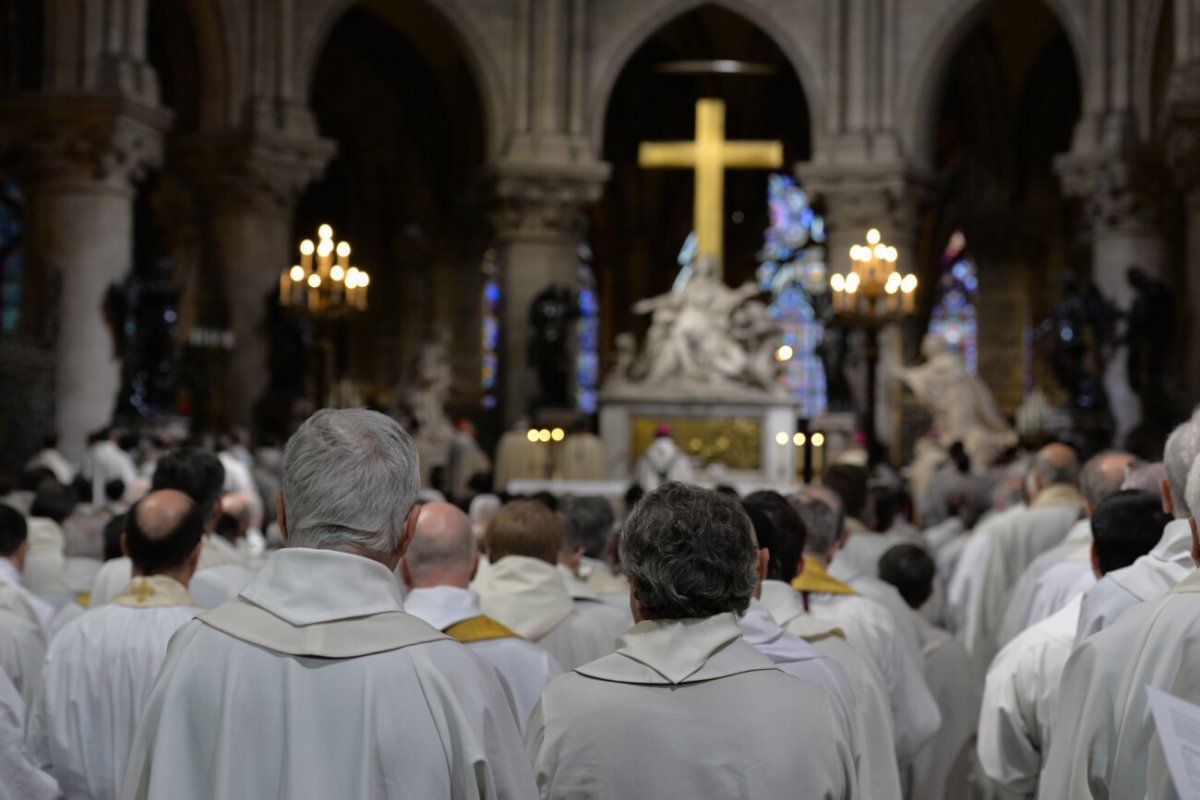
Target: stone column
1183, 159
1123, 214
87, 153
250, 182
540, 222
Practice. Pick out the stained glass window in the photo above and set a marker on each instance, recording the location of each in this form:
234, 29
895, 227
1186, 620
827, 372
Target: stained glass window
792, 270
11, 260
587, 336
954, 315
490, 329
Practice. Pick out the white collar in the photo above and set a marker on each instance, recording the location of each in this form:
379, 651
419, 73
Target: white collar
781, 601
1176, 539
442, 606
9, 573
222, 544
760, 629
525, 594
303, 586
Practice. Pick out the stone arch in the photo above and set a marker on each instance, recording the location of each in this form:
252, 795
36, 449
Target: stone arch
922, 92
631, 31
472, 37
219, 80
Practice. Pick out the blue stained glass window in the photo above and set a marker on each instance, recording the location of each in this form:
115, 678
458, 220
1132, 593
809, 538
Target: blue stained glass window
489, 335
954, 315
587, 336
792, 270
12, 263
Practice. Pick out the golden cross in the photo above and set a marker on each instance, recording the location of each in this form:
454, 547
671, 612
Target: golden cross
709, 156
142, 590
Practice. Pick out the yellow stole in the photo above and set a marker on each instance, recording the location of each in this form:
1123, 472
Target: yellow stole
479, 629
154, 591
814, 578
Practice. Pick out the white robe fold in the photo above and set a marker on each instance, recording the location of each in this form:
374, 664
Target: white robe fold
530, 596
95, 683
314, 683
1020, 613
686, 708
524, 666
941, 769
22, 651
19, 779
1104, 743
1150, 577
15, 597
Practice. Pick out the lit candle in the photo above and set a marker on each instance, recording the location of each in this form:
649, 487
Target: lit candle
343, 254
306, 254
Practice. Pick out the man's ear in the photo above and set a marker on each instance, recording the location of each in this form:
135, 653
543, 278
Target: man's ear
405, 574
571, 560
1168, 502
474, 564
125, 544
1195, 542
281, 515
635, 607
799, 568
410, 527
1096, 562
764, 558
193, 560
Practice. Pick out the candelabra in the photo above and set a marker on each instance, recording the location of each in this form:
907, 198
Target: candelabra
872, 294
321, 285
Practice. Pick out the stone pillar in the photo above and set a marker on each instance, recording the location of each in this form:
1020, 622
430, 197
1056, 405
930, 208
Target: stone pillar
250, 182
1183, 159
540, 222
87, 153
1121, 199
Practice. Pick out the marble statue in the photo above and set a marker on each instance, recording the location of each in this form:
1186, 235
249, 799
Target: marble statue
419, 403
963, 407
703, 335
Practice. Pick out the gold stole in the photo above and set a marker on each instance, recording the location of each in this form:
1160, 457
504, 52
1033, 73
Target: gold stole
154, 591
814, 578
479, 629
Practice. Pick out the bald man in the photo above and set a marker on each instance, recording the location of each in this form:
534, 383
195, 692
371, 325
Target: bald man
438, 568
100, 667
1006, 547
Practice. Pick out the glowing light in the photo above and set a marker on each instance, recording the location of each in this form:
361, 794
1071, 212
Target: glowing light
337, 273
543, 435
343, 249
325, 232
784, 353
893, 283
297, 274
798, 440
306, 247
558, 434
881, 251
837, 282
873, 236
852, 281
324, 248
532, 435
364, 279
781, 438
892, 254
314, 280
818, 439
909, 284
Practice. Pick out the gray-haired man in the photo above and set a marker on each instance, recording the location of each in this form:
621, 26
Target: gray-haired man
314, 682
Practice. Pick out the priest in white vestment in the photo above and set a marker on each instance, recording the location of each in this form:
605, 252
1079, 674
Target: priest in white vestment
314, 682
19, 779
100, 668
942, 768
1101, 477
14, 546
663, 461
1152, 575
1104, 742
1022, 687
438, 567
22, 650
685, 707
780, 535
524, 590
871, 628
1056, 506
587, 547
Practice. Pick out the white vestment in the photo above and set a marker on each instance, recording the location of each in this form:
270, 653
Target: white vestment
524, 666
22, 651
663, 461
860, 554
941, 770
687, 709
95, 683
614, 618
1104, 742
1012, 547
314, 683
1020, 613
219, 576
530, 596
104, 462
1019, 701
874, 756
1061, 584
969, 559
517, 457
56, 462
581, 458
872, 630
19, 779
1150, 577
16, 598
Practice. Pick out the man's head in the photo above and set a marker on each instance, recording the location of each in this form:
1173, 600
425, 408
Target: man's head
350, 482
1055, 463
13, 533
849, 483
589, 525
1192, 495
442, 551
1102, 477
197, 474
53, 501
524, 528
162, 534
910, 569
824, 525
885, 505
1125, 526
779, 530
1145, 477
688, 553
244, 509
1181, 449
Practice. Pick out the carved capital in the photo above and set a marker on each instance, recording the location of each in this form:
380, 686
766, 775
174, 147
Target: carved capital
536, 201
94, 139
1118, 192
255, 170
1182, 129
